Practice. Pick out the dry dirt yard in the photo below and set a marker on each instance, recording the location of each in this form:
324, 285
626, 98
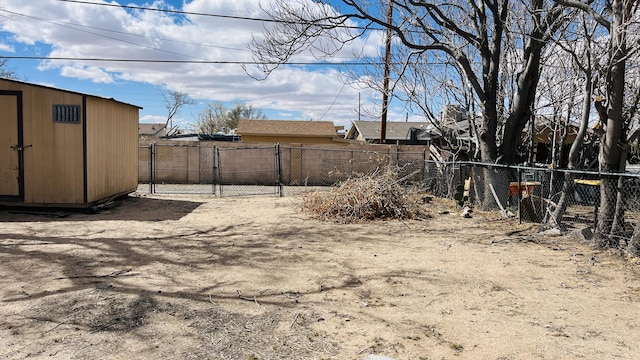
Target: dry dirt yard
186, 277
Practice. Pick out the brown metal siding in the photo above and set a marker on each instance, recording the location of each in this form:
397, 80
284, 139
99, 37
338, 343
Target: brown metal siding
53, 162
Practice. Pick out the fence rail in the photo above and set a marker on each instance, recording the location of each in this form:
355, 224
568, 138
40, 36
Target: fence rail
560, 198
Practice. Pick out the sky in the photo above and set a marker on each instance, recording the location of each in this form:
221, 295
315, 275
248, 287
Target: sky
63, 29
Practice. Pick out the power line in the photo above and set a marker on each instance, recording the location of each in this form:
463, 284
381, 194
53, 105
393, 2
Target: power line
75, 26
170, 11
213, 62
222, 62
100, 35
334, 101
180, 12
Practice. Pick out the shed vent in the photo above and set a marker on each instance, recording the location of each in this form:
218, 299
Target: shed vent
66, 114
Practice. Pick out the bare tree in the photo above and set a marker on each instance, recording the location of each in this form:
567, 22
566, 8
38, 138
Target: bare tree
243, 111
469, 33
216, 117
542, 23
617, 17
583, 54
427, 84
7, 72
174, 101
212, 119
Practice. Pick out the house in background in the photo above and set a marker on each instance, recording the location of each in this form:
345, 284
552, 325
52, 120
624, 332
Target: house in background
547, 133
152, 131
64, 148
397, 132
287, 131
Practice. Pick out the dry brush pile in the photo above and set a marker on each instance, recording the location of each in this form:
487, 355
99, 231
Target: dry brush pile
365, 198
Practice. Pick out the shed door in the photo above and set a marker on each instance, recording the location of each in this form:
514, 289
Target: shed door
10, 147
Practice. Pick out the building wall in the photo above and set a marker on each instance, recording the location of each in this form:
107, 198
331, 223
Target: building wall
251, 164
248, 138
112, 148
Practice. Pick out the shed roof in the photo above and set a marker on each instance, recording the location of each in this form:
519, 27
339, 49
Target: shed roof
286, 128
68, 91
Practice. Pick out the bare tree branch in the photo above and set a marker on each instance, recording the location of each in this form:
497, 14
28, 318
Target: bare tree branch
5, 71
586, 7
216, 117
174, 101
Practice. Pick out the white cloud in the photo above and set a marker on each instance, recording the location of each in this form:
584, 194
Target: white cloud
153, 119
76, 31
92, 73
7, 48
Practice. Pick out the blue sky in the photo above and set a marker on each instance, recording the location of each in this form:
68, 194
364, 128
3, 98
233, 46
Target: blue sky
54, 28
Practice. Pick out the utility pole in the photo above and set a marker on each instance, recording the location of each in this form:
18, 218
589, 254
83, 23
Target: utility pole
385, 81
359, 107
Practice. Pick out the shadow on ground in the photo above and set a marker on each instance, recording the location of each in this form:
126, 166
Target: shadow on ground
126, 208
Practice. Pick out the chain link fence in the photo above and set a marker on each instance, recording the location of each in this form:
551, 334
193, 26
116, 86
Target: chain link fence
255, 170
607, 203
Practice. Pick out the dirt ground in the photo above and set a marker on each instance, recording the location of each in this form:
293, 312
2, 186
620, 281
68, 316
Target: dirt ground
197, 277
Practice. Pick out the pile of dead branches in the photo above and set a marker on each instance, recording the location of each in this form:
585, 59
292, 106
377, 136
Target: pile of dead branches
365, 198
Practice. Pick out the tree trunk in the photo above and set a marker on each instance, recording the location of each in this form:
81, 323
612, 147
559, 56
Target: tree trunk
521, 109
634, 244
488, 151
606, 212
574, 152
617, 226
611, 151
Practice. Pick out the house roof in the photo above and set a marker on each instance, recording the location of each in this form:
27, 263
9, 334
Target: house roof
462, 125
150, 129
545, 132
68, 91
286, 128
370, 130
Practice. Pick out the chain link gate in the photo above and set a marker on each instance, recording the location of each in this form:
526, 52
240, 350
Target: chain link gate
248, 171
184, 169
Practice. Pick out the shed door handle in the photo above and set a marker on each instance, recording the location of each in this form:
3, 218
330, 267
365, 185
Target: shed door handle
20, 148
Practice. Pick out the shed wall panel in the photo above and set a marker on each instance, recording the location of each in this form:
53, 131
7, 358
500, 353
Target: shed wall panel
9, 164
112, 148
52, 156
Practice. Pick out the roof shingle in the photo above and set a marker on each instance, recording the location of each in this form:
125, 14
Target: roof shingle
286, 127
370, 130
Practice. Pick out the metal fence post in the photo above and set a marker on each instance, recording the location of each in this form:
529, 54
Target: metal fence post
424, 164
213, 169
151, 168
519, 196
279, 171
351, 164
219, 171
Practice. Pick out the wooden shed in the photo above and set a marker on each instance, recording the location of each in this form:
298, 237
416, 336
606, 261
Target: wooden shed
64, 149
